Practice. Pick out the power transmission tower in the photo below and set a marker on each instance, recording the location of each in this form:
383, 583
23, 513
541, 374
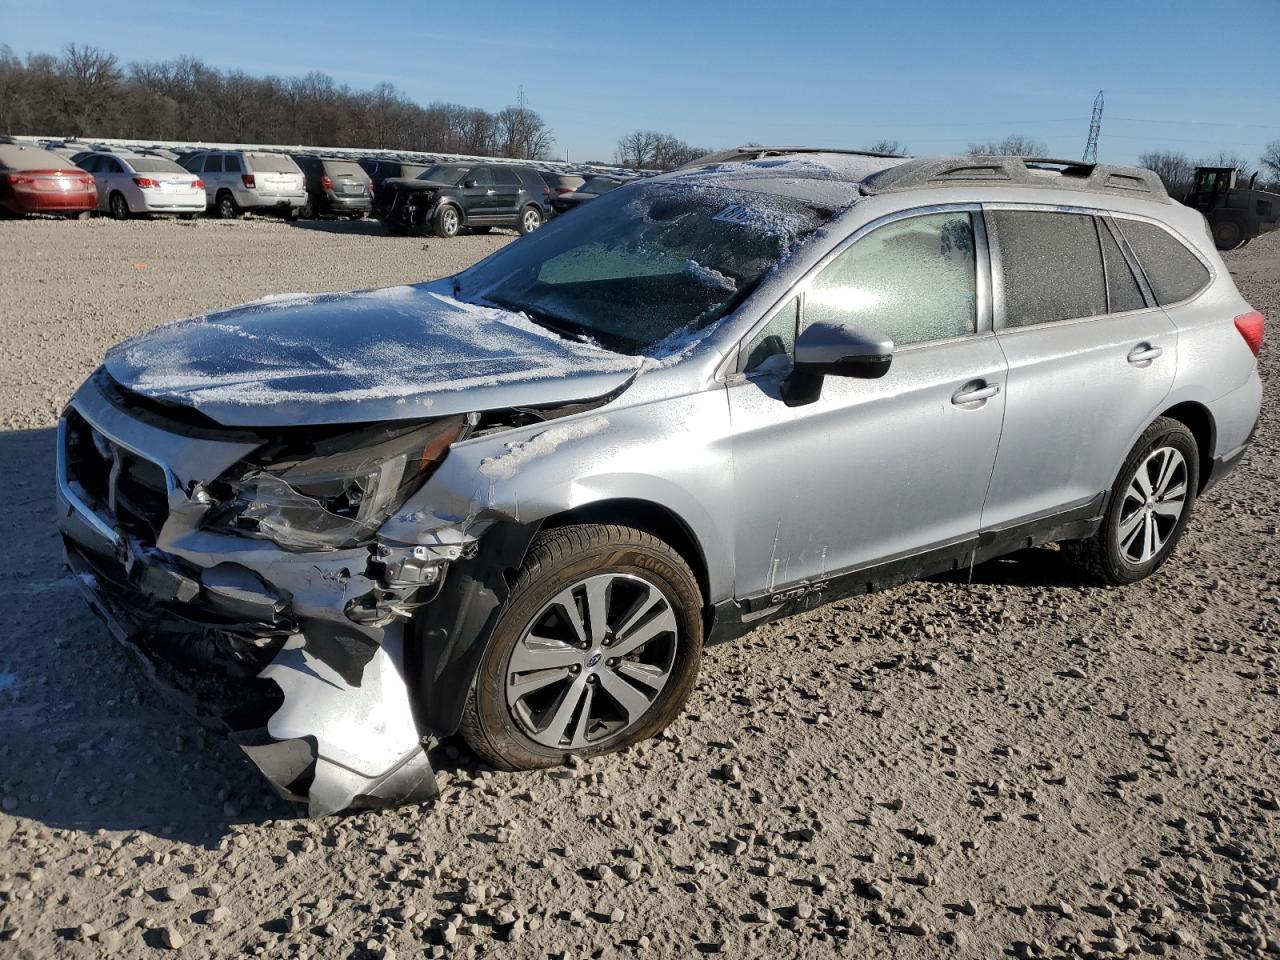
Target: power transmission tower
1095, 125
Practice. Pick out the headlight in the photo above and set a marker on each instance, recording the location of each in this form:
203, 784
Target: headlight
336, 493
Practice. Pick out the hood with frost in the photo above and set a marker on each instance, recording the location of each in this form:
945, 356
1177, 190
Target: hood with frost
393, 353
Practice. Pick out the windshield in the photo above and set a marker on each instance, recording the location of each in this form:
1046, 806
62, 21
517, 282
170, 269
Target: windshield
637, 265
443, 173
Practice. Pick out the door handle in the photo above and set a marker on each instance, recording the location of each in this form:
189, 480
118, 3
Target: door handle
489, 193
975, 391
1144, 353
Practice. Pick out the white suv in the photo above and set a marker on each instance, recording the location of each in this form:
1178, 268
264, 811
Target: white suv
239, 180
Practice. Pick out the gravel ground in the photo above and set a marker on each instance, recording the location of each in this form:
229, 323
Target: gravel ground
1023, 765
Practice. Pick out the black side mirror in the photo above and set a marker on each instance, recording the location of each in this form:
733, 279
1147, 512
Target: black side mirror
825, 349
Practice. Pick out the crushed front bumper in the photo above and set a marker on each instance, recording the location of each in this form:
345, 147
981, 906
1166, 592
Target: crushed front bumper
301, 656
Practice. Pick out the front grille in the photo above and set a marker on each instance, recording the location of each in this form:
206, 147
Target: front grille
125, 490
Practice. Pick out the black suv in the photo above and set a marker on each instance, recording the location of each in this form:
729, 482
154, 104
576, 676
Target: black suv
449, 196
339, 188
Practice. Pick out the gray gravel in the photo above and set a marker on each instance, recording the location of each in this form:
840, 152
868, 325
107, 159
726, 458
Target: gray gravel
1023, 765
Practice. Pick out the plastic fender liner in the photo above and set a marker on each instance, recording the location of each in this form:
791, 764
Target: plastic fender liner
449, 635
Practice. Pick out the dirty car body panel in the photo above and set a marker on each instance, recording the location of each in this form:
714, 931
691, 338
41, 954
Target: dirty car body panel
343, 632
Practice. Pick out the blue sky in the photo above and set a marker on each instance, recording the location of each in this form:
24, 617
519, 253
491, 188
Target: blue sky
934, 74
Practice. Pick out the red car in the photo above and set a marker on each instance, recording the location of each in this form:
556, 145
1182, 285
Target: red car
33, 180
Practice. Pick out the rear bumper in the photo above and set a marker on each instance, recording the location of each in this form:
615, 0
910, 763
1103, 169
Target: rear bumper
342, 204
1236, 416
281, 201
163, 204
78, 202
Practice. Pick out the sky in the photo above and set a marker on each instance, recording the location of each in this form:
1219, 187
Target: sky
935, 75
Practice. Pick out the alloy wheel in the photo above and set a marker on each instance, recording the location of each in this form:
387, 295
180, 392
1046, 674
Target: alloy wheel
1153, 504
592, 662
532, 220
449, 220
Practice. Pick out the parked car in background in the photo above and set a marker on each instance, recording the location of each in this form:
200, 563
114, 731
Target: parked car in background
240, 180
379, 170
339, 188
564, 202
35, 180
559, 184
449, 196
130, 183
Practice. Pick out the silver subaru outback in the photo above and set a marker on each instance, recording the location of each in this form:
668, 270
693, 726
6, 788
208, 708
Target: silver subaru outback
516, 503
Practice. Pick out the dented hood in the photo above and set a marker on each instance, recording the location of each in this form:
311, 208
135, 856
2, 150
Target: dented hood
394, 353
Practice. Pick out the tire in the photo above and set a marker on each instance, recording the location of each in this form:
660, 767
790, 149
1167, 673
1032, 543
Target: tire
447, 221
530, 220
118, 206
647, 588
227, 207
306, 212
1118, 553
1229, 235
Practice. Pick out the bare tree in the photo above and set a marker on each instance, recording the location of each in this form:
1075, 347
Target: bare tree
1271, 160
649, 149
886, 146
89, 85
1014, 145
522, 134
1175, 169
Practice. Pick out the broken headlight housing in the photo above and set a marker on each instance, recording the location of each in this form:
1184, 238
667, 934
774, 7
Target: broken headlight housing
334, 493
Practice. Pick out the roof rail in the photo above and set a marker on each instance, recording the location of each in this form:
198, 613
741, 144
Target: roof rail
1018, 171
758, 152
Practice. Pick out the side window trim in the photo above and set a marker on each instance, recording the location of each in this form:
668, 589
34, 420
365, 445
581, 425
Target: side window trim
983, 267
1135, 267
999, 315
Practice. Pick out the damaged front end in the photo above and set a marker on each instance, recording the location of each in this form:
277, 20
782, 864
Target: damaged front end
409, 206
248, 571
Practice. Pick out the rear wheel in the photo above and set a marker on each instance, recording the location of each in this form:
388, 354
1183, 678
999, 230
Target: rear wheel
530, 220
447, 221
118, 206
228, 209
598, 648
307, 211
1149, 507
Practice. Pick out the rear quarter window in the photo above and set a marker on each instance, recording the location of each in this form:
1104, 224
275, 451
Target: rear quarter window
1174, 272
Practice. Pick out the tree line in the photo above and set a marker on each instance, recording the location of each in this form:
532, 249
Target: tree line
85, 91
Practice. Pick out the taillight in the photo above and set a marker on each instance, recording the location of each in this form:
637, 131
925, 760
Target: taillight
563, 190
146, 183
247, 180
326, 182
197, 184
1250, 326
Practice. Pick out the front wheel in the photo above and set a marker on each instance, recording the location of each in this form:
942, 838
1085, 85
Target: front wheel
530, 220
598, 648
1228, 235
1148, 510
447, 221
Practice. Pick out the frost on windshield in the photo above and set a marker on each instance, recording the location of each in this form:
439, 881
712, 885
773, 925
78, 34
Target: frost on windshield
640, 269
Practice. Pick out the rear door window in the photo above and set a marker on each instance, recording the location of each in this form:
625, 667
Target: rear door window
213, 164
1123, 292
1051, 265
505, 177
913, 280
232, 163
1174, 272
